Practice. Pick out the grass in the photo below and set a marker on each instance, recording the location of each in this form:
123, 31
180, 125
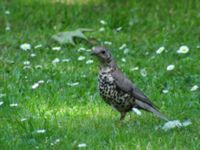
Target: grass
77, 114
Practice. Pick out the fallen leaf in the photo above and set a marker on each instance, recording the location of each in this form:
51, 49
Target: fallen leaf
68, 36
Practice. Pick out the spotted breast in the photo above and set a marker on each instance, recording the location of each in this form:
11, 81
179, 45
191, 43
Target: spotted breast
111, 93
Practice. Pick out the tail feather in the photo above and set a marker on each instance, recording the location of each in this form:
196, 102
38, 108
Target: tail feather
152, 109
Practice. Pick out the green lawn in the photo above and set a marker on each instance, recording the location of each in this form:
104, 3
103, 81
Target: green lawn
71, 115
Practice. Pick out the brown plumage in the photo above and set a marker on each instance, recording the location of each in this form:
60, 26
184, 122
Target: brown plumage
117, 90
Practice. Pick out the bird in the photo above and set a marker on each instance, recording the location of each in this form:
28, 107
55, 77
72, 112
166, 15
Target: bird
117, 90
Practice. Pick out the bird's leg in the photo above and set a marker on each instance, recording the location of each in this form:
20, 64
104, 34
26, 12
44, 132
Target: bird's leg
123, 114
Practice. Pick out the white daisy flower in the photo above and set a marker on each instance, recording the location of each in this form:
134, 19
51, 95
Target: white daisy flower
52, 144
194, 88
13, 105
57, 141
160, 50
40, 81
49, 81
126, 50
81, 49
1, 103
165, 91
82, 145
8, 28
2, 95
103, 22
25, 46
80, 58
143, 72
26, 62
101, 29
170, 67
55, 61
38, 66
27, 67
41, 131
38, 46
56, 48
135, 68
34, 86
89, 61
33, 55
23, 119
66, 60
147, 53
123, 60
137, 111
107, 43
122, 47
7, 12
73, 84
88, 50
183, 50
119, 29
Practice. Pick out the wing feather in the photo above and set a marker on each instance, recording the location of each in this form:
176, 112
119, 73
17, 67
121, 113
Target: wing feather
126, 85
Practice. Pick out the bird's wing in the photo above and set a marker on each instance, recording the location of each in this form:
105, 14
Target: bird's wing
126, 85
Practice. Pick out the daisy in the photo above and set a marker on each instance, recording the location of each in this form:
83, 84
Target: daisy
183, 50
122, 47
41, 131
56, 48
34, 86
126, 50
107, 43
81, 49
160, 50
40, 81
89, 61
38, 46
82, 145
73, 84
119, 29
55, 61
66, 60
101, 29
103, 22
26, 62
1, 103
33, 55
170, 67
38, 66
7, 12
165, 91
123, 60
194, 88
25, 46
80, 58
137, 111
13, 105
23, 119
7, 28
143, 72
135, 68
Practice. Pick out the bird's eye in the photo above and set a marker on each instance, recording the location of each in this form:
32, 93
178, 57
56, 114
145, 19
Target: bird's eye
103, 52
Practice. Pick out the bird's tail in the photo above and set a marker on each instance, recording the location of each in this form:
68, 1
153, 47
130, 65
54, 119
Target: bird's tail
151, 108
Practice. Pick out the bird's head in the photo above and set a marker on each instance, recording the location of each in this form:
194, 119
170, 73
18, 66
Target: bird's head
102, 54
